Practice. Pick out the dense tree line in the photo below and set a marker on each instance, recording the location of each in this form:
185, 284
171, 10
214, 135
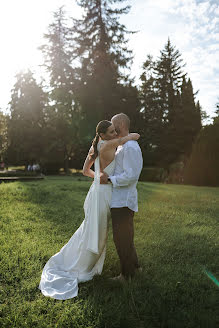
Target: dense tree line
171, 116
3, 135
202, 166
88, 79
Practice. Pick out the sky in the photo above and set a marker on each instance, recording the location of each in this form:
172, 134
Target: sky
191, 25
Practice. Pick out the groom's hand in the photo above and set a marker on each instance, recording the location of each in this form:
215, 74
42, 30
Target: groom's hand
103, 178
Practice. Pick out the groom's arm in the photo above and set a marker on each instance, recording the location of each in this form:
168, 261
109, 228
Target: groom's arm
132, 165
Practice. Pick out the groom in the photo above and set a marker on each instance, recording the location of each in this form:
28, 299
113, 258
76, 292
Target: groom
124, 197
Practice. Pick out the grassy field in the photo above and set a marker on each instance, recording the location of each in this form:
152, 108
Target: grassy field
176, 237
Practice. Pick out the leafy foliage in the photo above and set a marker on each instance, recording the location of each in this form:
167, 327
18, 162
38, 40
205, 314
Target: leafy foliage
3, 136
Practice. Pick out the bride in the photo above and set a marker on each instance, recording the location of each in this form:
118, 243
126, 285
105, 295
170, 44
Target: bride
84, 254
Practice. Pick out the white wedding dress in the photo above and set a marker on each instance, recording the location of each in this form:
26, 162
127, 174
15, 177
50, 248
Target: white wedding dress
84, 254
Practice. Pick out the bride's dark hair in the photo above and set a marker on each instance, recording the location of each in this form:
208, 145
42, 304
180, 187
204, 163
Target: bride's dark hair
102, 127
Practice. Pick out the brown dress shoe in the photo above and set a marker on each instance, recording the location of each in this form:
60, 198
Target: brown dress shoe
139, 270
119, 278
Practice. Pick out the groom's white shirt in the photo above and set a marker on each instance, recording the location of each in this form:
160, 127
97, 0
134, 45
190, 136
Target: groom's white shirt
128, 167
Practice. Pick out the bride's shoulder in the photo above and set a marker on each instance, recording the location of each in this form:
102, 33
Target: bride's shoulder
100, 143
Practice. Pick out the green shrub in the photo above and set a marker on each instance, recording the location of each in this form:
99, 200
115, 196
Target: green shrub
17, 174
51, 168
176, 172
152, 174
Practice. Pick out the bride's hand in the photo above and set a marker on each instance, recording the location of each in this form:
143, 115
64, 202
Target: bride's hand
134, 136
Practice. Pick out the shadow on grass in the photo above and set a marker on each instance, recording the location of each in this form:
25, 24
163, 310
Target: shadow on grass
62, 196
172, 290
60, 200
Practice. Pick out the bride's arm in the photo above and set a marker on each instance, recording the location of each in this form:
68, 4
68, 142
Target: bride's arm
114, 143
87, 165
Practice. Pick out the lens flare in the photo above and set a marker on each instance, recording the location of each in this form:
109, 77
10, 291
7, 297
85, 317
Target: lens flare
210, 275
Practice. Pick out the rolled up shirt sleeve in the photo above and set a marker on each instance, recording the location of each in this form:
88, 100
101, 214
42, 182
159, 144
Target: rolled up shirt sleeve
132, 165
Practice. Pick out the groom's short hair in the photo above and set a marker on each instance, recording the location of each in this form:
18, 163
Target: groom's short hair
121, 117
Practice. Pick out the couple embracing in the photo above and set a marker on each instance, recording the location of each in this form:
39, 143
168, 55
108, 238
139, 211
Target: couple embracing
117, 160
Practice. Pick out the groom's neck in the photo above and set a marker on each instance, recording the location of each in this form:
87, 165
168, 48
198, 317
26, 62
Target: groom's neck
124, 133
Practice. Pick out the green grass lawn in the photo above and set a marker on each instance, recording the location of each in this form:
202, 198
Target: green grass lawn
176, 237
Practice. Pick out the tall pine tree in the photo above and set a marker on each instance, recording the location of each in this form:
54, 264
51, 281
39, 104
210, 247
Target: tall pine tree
26, 125
189, 118
100, 44
171, 116
169, 76
151, 123
63, 112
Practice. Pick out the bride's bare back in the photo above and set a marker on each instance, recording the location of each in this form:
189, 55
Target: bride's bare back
107, 153
108, 149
